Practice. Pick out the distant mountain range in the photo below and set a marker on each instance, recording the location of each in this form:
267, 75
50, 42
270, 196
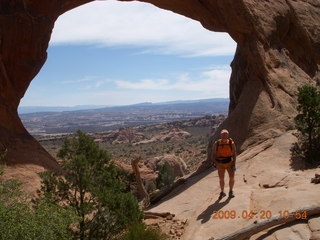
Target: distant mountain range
56, 120
39, 109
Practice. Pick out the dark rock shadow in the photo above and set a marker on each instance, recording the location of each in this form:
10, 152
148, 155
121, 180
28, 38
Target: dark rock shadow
299, 162
205, 216
296, 162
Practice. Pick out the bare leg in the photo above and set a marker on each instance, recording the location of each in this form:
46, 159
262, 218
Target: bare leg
231, 179
221, 172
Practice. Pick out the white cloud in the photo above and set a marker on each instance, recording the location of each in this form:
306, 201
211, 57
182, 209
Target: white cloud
84, 79
214, 81
97, 84
146, 84
113, 23
91, 82
208, 84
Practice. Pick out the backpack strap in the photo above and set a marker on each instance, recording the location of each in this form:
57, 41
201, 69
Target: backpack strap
230, 143
217, 145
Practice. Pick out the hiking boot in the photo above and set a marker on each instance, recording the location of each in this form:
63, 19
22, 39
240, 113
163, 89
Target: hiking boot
231, 194
222, 195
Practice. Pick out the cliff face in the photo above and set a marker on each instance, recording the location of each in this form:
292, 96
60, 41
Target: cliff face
278, 50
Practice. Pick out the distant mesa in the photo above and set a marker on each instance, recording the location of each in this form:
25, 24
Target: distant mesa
130, 135
206, 121
174, 134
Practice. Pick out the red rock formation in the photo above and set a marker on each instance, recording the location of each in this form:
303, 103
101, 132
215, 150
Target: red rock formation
174, 134
278, 50
125, 135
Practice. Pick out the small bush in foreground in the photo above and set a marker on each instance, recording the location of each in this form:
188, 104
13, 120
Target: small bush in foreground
19, 219
138, 231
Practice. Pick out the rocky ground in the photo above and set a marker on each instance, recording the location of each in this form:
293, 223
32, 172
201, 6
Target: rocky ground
266, 181
172, 226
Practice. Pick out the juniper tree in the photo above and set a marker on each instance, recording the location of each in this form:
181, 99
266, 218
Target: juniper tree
308, 122
165, 176
92, 185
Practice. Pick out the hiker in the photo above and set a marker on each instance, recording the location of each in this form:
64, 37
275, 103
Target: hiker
224, 157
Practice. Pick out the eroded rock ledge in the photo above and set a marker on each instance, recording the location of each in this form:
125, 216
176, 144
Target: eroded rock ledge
278, 50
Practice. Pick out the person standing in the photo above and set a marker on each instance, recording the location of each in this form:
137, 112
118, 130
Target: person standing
224, 157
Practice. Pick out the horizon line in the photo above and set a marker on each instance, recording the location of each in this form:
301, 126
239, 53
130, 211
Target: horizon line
97, 105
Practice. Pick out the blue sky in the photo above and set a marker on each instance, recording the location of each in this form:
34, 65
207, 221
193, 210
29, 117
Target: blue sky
119, 53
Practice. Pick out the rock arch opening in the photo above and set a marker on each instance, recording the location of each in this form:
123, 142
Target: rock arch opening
140, 49
268, 66
127, 53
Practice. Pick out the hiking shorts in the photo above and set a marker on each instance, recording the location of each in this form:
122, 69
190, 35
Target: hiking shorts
224, 165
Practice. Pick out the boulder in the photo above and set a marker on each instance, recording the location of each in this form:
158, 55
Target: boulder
177, 164
147, 174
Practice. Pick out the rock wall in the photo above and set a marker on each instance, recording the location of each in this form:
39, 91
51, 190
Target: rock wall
278, 50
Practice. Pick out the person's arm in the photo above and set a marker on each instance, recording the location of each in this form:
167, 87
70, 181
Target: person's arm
214, 154
234, 153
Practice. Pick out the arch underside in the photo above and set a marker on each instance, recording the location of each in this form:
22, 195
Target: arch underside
278, 49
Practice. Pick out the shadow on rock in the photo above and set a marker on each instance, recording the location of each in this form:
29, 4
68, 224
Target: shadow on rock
205, 216
300, 159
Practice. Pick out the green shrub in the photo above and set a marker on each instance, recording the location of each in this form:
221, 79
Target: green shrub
307, 122
138, 231
150, 186
94, 187
166, 176
19, 219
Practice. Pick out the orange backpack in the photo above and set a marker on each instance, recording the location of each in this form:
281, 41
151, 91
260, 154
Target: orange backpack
224, 149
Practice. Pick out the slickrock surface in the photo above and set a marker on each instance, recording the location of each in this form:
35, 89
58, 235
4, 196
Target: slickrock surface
265, 182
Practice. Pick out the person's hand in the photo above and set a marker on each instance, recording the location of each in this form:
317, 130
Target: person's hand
233, 167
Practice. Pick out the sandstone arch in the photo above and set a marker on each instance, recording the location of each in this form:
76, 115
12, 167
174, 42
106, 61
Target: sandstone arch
278, 50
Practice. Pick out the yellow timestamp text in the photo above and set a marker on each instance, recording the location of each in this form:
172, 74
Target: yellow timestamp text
262, 214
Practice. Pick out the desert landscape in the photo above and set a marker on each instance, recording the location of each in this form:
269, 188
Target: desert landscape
267, 180
277, 52
186, 139
48, 122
